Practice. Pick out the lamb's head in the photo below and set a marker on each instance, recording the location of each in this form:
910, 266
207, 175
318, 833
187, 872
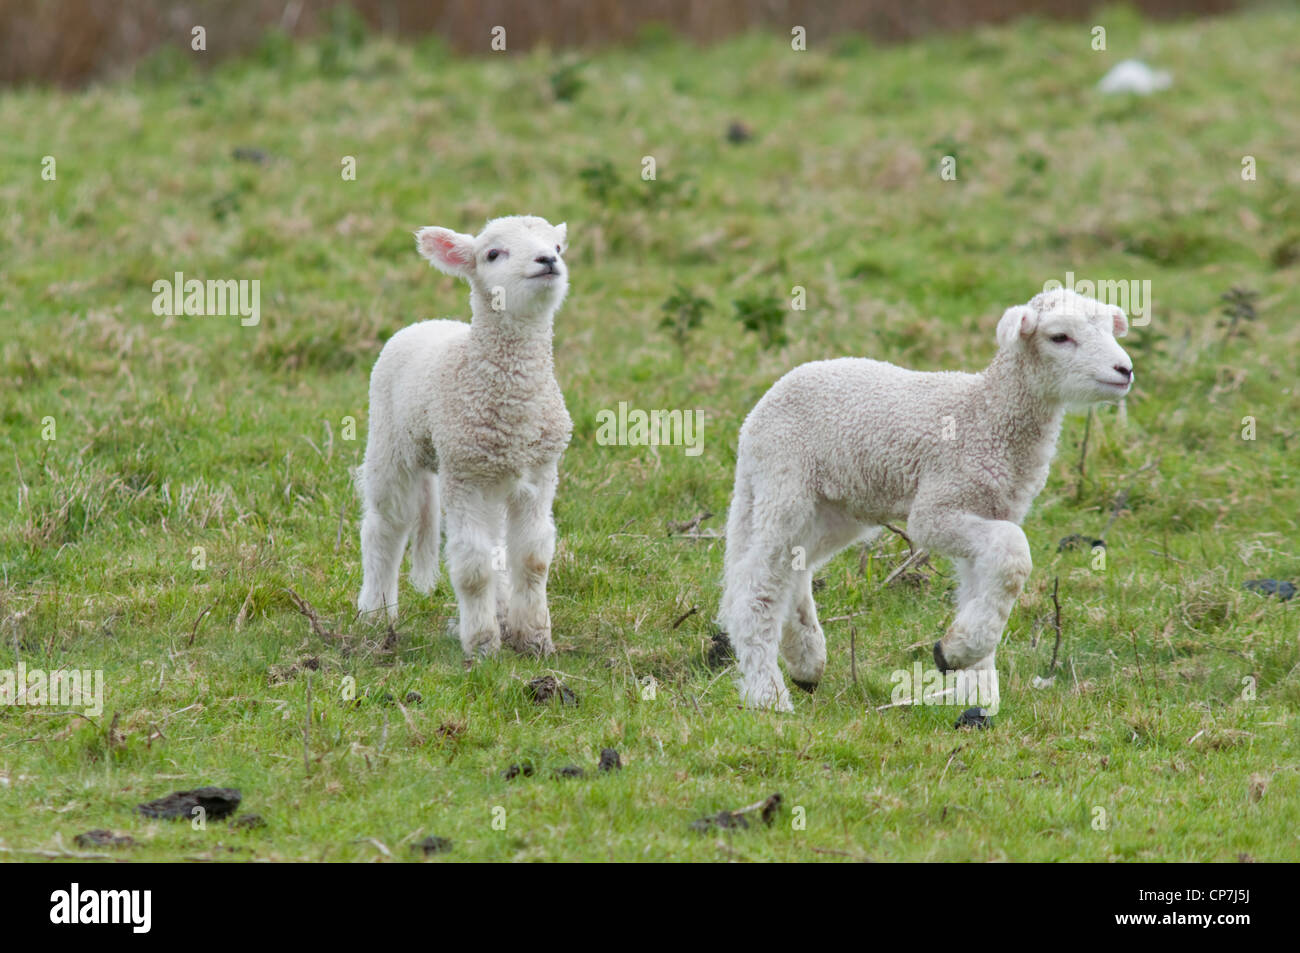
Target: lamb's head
515, 265
1066, 344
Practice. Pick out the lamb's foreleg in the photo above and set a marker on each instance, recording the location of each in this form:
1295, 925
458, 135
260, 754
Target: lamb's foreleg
530, 547
473, 528
993, 564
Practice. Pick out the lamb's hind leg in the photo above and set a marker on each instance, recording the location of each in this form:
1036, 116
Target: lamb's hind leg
761, 584
391, 504
803, 643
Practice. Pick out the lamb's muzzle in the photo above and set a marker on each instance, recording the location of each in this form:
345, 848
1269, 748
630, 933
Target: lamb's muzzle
838, 448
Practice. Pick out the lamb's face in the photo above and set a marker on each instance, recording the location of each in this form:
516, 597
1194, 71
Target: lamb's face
516, 264
1070, 342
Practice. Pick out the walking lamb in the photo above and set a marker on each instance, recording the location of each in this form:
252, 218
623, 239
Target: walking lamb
470, 414
838, 448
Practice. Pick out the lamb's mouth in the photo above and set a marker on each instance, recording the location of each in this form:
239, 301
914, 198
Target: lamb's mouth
548, 273
1122, 385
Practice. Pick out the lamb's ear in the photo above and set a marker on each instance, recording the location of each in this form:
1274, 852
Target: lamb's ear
563, 231
1121, 323
448, 251
1018, 322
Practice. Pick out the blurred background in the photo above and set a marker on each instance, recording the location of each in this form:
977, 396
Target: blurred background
75, 41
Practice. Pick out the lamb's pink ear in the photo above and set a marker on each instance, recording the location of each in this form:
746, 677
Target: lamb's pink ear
448, 251
1018, 322
1121, 323
562, 231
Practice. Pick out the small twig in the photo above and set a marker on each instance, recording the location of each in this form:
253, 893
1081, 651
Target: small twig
689, 526
924, 699
306, 609
1056, 620
243, 609
898, 532
35, 852
917, 556
195, 631
1137, 658
306, 731
338, 538
686, 615
1083, 454
853, 653
1156, 552
1116, 506
946, 766
845, 618
376, 843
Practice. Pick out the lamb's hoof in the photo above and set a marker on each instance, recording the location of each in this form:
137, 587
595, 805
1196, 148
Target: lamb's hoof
940, 661
809, 687
535, 644
766, 699
483, 645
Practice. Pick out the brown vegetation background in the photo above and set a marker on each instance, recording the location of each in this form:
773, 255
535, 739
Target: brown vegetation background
74, 41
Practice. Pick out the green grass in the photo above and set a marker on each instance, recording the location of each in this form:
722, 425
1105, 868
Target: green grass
176, 433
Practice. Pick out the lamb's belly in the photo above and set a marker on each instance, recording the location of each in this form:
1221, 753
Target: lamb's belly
872, 496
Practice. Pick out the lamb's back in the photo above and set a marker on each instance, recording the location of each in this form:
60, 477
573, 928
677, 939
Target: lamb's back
854, 427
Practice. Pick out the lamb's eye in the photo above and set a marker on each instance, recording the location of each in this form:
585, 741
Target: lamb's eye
557, 249
1060, 338
492, 255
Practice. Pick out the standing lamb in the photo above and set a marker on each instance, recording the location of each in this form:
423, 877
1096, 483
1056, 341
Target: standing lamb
838, 448
471, 414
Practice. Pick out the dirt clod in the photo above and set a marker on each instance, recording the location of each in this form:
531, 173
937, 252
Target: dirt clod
515, 770
450, 730
215, 802
102, 838
609, 760
278, 674
738, 132
1075, 541
570, 771
767, 810
432, 845
974, 718
1272, 587
543, 689
719, 654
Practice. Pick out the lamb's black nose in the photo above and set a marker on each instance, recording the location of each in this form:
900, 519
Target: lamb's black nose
1124, 372
548, 260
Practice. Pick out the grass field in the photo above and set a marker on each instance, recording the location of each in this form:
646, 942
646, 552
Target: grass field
1170, 730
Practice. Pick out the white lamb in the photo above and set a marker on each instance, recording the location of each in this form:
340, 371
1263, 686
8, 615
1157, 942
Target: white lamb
838, 448
471, 414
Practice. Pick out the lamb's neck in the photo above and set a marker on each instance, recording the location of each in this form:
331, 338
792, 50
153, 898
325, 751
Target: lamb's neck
1028, 421
519, 346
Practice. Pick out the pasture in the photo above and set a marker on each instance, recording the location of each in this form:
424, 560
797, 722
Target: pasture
176, 484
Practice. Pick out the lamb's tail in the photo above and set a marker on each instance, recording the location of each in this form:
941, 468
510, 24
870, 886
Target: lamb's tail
424, 544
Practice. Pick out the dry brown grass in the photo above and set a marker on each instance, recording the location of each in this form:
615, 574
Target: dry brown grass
74, 41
